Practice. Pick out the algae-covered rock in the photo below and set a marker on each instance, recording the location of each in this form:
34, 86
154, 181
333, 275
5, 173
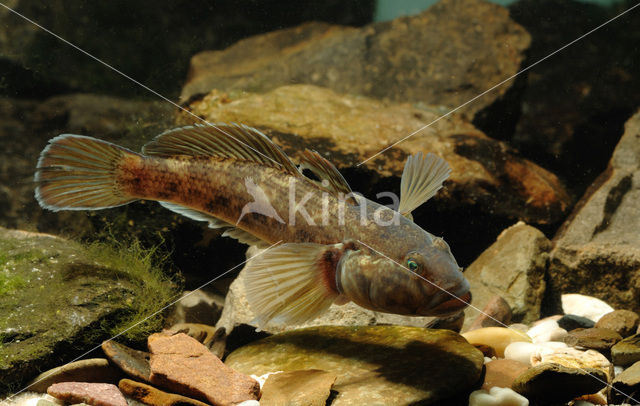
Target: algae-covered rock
59, 299
374, 364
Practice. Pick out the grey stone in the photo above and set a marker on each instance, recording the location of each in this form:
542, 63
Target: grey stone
597, 250
400, 60
513, 268
373, 363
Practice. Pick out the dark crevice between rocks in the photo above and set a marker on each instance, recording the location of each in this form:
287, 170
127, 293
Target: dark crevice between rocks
614, 198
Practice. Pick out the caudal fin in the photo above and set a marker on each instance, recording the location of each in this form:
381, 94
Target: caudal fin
75, 172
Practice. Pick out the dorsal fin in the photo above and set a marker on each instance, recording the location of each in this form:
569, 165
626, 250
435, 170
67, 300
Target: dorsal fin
222, 140
422, 177
325, 171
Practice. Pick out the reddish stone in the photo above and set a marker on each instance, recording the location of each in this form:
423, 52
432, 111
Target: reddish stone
502, 373
182, 365
496, 313
97, 394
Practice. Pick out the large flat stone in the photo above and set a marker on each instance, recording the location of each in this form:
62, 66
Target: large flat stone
446, 55
514, 268
183, 365
374, 364
597, 250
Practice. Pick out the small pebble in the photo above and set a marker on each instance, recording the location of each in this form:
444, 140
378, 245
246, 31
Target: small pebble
496, 337
549, 330
599, 339
523, 352
497, 397
571, 321
496, 313
585, 306
98, 394
623, 322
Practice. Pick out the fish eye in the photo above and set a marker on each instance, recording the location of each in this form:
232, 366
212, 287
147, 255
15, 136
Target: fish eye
412, 264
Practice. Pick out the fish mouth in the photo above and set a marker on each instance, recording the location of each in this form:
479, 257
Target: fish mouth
453, 305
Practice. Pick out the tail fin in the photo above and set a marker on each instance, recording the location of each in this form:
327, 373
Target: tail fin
75, 172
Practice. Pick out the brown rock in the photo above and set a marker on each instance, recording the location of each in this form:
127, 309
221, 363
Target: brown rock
626, 383
181, 364
487, 350
149, 395
400, 60
513, 268
624, 322
496, 313
502, 373
599, 339
86, 370
97, 394
310, 387
133, 362
597, 250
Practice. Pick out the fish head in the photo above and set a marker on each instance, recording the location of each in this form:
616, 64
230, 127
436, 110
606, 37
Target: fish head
424, 281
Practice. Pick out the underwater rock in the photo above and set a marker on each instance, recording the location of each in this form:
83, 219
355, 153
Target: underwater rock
589, 307
181, 364
546, 330
133, 362
624, 322
572, 321
310, 387
59, 299
573, 358
406, 364
548, 383
489, 182
514, 268
627, 351
597, 250
496, 337
496, 313
212, 338
97, 394
149, 395
626, 383
497, 396
525, 352
85, 370
141, 40
575, 104
399, 60
596, 338
502, 373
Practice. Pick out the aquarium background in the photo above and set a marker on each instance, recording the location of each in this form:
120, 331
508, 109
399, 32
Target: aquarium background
541, 202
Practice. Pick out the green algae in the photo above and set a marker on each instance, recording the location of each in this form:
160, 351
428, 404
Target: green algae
61, 299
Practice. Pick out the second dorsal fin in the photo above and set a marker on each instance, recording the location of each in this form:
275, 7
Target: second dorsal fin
222, 140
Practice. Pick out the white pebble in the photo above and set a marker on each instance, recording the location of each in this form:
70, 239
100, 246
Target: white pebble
548, 330
497, 397
585, 306
617, 370
524, 352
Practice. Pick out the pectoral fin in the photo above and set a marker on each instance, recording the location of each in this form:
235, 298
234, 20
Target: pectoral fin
292, 283
422, 177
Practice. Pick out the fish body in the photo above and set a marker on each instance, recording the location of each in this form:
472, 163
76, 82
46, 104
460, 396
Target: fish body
332, 245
